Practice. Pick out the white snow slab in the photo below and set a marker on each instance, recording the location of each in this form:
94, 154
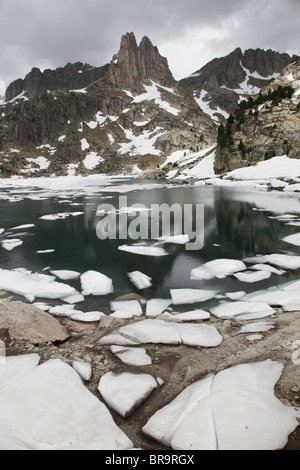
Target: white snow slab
219, 268
231, 309
95, 283
132, 356
39, 285
275, 297
257, 327
88, 317
252, 277
164, 332
293, 239
190, 296
144, 250
66, 275
22, 227
267, 267
75, 298
176, 239
124, 392
157, 306
60, 215
9, 245
48, 408
277, 167
15, 368
193, 315
228, 411
43, 252
63, 311
284, 261
235, 295
131, 306
84, 369
140, 280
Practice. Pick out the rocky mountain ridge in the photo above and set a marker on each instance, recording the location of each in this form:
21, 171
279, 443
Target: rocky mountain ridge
220, 85
129, 118
130, 115
264, 127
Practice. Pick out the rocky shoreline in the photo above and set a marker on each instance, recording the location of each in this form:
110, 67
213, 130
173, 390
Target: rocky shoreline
176, 365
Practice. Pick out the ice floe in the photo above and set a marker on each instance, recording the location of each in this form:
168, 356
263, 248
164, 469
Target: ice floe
253, 276
144, 250
47, 407
257, 327
22, 227
10, 244
190, 296
66, 275
227, 411
132, 356
60, 215
140, 280
232, 309
293, 239
95, 283
193, 315
84, 369
219, 268
177, 239
160, 331
267, 267
125, 308
157, 306
124, 392
88, 317
39, 285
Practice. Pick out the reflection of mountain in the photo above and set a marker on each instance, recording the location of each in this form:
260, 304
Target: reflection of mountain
245, 231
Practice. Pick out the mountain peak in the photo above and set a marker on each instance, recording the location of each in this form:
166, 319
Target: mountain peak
134, 63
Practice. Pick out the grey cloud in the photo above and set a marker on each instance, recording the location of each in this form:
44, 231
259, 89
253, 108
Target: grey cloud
47, 33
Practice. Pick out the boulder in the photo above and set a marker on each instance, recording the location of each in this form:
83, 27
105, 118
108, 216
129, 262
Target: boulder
29, 323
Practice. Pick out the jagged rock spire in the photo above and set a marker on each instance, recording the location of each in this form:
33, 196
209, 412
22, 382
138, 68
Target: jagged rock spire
134, 63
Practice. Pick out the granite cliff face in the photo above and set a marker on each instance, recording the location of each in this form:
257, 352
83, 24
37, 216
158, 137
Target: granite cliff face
130, 114
135, 63
72, 76
219, 86
264, 127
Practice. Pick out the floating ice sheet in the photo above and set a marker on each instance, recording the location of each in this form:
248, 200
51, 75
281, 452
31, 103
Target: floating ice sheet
231, 309
219, 268
144, 250
252, 277
190, 296
39, 285
66, 275
293, 239
140, 280
95, 283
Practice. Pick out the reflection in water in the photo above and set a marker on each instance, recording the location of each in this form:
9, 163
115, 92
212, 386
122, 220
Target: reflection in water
233, 229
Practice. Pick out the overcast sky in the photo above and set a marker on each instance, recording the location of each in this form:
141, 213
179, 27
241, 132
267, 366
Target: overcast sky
51, 33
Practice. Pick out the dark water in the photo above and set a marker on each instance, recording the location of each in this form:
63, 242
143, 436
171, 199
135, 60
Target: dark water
238, 223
